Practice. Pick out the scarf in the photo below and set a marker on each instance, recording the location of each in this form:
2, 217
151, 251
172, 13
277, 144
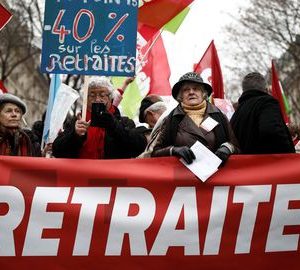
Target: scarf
93, 147
15, 144
196, 112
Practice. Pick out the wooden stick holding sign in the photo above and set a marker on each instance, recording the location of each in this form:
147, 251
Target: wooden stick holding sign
85, 96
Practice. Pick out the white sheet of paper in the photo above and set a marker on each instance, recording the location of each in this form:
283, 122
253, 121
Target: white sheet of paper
209, 124
206, 163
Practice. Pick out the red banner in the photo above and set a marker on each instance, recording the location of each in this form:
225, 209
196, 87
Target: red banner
149, 214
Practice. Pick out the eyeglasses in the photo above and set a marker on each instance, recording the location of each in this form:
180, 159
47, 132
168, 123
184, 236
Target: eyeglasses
100, 95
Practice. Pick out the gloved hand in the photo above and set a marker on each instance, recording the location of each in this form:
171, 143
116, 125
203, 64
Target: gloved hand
183, 152
106, 120
223, 153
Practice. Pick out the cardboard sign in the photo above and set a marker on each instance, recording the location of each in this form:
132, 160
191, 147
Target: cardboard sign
90, 37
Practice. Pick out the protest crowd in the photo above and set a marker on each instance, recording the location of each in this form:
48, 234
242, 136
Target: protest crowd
256, 127
108, 176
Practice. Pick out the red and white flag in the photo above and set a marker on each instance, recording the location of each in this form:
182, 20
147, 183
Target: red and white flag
2, 88
155, 65
5, 16
278, 93
210, 70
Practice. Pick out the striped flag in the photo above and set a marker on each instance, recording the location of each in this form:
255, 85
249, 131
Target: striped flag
54, 86
173, 25
157, 13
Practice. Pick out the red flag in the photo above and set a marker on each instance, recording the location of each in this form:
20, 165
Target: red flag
5, 16
210, 70
2, 88
277, 93
157, 13
155, 65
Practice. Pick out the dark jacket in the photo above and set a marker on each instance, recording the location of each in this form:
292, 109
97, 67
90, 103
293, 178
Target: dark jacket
179, 129
259, 126
20, 143
123, 141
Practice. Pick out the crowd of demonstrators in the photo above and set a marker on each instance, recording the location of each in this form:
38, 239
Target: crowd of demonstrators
104, 134
256, 127
14, 140
152, 111
257, 121
195, 119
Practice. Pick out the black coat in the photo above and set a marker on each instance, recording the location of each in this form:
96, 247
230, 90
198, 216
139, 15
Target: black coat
258, 125
123, 141
179, 129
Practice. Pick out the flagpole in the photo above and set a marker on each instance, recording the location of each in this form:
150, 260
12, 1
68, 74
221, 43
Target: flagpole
148, 50
85, 96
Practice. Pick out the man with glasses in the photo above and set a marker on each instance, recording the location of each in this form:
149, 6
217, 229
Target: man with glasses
105, 134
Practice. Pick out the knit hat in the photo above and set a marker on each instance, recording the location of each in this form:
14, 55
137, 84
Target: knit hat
190, 77
9, 98
254, 81
146, 103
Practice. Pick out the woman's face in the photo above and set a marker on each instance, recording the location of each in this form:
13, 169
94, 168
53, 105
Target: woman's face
97, 95
191, 93
10, 116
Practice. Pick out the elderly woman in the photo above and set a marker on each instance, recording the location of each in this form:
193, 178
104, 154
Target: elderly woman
107, 136
15, 141
194, 119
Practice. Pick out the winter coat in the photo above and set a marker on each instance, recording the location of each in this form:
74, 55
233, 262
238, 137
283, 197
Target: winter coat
19, 143
179, 129
124, 141
259, 126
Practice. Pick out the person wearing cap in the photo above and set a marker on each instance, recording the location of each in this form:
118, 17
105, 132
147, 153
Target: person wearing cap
105, 134
152, 111
257, 122
194, 119
15, 141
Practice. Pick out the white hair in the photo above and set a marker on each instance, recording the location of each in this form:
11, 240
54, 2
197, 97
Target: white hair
159, 106
102, 81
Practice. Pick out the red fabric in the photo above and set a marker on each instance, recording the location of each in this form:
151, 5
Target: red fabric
159, 178
93, 147
210, 70
157, 13
156, 66
2, 88
23, 145
276, 93
5, 16
146, 31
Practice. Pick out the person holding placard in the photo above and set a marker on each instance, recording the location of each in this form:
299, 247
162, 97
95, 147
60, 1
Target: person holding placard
105, 134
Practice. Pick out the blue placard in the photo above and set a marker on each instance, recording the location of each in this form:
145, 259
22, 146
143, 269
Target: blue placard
91, 37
